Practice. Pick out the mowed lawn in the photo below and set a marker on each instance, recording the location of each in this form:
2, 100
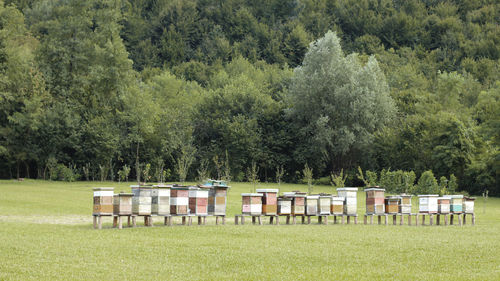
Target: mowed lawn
46, 233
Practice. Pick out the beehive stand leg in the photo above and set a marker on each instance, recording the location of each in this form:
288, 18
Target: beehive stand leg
451, 219
348, 219
371, 219
294, 220
95, 221
431, 219
334, 219
365, 219
216, 220
416, 219
190, 221
401, 220
473, 219
271, 218
164, 220
356, 219
409, 219
204, 220
145, 220
253, 219
308, 219
183, 220
128, 221
438, 218
223, 220
386, 218
343, 219
446, 219
320, 219
303, 219
394, 219
99, 222
115, 221
423, 220
242, 220
277, 220
326, 220
170, 221
464, 215
379, 219
260, 221
459, 220
134, 224
199, 220
120, 226
235, 220
287, 219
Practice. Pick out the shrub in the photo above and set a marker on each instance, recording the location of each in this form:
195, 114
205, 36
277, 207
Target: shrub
427, 184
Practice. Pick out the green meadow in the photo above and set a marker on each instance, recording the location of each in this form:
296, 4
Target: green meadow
46, 233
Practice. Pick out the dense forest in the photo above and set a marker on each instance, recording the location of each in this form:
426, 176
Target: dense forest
168, 90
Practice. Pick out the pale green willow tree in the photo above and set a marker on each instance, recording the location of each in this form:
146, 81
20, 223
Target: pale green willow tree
338, 103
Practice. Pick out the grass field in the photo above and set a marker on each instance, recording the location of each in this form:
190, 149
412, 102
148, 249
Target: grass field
46, 233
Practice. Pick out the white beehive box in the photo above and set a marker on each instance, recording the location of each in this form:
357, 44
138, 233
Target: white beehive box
469, 205
428, 203
351, 199
251, 204
312, 205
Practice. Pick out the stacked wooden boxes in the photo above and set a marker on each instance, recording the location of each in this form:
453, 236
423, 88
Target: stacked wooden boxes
428, 204
443, 205
468, 207
375, 201
337, 205
217, 197
122, 204
285, 205
251, 204
269, 201
179, 201
103, 201
141, 202
350, 201
456, 204
160, 200
324, 204
392, 204
312, 205
198, 201
405, 204
298, 202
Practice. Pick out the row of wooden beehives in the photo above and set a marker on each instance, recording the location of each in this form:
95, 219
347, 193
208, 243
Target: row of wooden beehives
209, 199
266, 202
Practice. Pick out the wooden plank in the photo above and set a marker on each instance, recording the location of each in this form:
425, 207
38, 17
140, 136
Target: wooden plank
95, 221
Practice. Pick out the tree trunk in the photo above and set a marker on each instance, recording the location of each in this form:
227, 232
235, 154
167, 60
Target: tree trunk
137, 171
27, 170
17, 165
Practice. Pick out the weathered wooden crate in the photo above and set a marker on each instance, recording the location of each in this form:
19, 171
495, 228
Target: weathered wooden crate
251, 204
160, 200
269, 201
122, 204
468, 207
443, 205
198, 201
217, 196
179, 201
312, 205
375, 201
392, 204
103, 201
337, 205
324, 204
141, 201
284, 205
428, 203
351, 199
456, 203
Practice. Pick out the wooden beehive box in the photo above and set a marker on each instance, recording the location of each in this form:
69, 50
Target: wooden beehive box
351, 199
375, 199
456, 203
103, 201
392, 204
405, 204
179, 201
122, 203
251, 203
443, 205
284, 205
217, 199
141, 202
198, 201
269, 201
428, 203
468, 207
312, 205
298, 202
337, 205
160, 199
324, 204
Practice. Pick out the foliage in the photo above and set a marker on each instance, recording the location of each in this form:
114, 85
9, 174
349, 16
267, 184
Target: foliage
307, 174
253, 174
338, 180
427, 184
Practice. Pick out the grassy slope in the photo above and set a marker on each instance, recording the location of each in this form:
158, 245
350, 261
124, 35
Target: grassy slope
68, 248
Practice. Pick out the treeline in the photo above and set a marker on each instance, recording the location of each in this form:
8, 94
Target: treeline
174, 90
